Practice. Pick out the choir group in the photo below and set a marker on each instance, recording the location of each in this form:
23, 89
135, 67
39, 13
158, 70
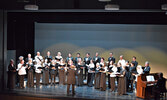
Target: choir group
121, 76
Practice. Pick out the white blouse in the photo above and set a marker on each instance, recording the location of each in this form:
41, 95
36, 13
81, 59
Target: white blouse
36, 68
21, 69
91, 66
114, 69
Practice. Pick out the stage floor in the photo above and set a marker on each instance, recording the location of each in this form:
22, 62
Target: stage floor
59, 92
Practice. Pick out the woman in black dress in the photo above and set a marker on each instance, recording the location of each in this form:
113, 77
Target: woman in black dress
53, 72
30, 67
11, 74
97, 76
45, 77
103, 71
122, 82
62, 72
113, 71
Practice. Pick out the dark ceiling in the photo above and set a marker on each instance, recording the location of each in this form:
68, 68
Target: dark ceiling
82, 4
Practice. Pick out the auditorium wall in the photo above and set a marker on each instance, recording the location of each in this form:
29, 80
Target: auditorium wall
146, 42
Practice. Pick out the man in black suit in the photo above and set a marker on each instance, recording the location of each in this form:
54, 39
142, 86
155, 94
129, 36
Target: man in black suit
146, 68
87, 62
96, 58
48, 57
134, 61
76, 58
69, 58
111, 58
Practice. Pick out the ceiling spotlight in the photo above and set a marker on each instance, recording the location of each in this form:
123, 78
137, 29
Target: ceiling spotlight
31, 6
104, 0
110, 6
164, 7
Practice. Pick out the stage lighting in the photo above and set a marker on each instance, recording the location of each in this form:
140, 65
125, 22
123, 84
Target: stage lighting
110, 6
164, 7
31, 6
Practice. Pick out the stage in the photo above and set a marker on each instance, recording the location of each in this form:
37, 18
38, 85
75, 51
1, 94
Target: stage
59, 92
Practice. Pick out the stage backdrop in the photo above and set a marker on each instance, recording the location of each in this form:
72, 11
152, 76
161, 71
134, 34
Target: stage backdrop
146, 42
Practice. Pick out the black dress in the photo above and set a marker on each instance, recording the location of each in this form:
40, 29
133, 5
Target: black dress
97, 78
122, 83
11, 76
30, 81
45, 76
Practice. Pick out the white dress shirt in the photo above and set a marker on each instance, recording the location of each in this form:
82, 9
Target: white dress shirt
123, 62
37, 59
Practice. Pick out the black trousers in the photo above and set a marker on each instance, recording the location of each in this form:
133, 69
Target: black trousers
109, 85
90, 79
86, 71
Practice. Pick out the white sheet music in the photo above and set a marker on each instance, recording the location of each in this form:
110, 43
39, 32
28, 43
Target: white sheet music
150, 78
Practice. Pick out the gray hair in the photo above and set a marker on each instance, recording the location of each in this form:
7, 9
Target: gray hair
146, 62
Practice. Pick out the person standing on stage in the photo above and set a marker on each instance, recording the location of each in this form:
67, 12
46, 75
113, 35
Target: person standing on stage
96, 59
122, 61
139, 71
30, 67
111, 58
20, 59
112, 72
69, 58
28, 57
133, 72
48, 57
77, 58
58, 57
53, 72
45, 75
91, 72
17, 76
38, 66
11, 74
79, 67
38, 70
71, 80
147, 68
97, 76
128, 75
87, 62
122, 82
39, 58
134, 61
62, 71
103, 71
21, 68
